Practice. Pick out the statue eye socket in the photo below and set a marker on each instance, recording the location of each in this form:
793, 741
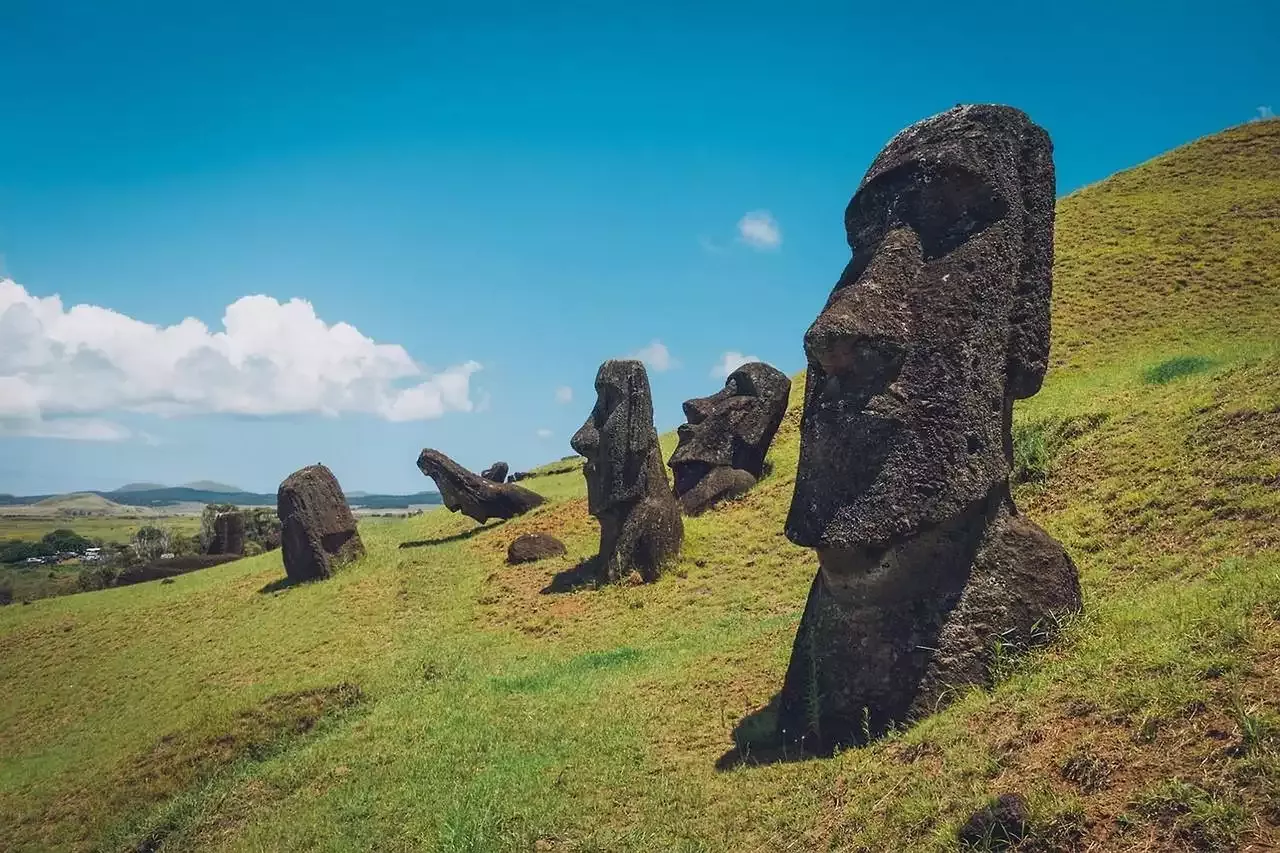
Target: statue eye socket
608, 400
944, 204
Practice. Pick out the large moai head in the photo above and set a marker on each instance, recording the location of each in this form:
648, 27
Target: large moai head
937, 324
726, 436
618, 436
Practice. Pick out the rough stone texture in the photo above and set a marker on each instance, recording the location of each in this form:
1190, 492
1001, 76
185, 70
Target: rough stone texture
937, 325
531, 547
495, 473
228, 534
473, 495
997, 826
640, 524
317, 531
727, 435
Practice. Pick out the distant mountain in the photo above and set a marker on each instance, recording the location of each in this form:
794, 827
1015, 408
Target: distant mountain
138, 487
211, 486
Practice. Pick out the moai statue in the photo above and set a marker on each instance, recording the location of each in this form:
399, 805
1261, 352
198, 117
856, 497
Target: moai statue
472, 494
936, 326
317, 531
723, 444
640, 525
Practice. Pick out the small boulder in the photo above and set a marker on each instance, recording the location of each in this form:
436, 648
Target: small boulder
996, 826
495, 473
531, 547
317, 531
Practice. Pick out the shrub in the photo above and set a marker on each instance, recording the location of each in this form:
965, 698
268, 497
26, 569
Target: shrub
6, 593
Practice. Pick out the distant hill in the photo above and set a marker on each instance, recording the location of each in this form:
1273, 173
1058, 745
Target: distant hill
211, 486
137, 487
86, 502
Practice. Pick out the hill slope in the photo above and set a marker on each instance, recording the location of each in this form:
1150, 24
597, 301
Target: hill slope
431, 698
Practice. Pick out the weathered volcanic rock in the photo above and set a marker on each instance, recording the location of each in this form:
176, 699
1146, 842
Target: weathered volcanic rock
640, 524
473, 495
936, 326
997, 826
228, 534
495, 473
531, 547
317, 531
727, 435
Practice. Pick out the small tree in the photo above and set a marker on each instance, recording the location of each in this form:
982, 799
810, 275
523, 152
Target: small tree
150, 542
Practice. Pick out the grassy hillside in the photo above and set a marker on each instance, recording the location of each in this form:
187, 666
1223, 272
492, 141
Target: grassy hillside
431, 698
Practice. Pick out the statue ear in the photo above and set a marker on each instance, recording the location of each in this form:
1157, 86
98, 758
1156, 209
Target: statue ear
1029, 315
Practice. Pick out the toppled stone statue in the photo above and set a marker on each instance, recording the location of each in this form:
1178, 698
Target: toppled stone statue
228, 534
936, 326
317, 531
531, 547
495, 473
723, 444
627, 491
473, 495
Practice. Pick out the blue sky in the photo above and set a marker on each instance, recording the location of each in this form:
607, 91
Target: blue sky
530, 188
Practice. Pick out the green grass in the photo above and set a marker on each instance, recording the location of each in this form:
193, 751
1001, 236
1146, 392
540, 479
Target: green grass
493, 716
108, 528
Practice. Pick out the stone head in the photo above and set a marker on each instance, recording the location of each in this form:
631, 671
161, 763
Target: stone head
617, 436
732, 427
939, 321
447, 474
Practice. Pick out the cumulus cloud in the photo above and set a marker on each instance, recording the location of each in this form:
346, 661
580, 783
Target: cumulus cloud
564, 394
656, 356
759, 230
729, 362
1264, 113
60, 366
544, 433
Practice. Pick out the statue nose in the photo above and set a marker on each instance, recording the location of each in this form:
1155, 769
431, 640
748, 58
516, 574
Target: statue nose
855, 340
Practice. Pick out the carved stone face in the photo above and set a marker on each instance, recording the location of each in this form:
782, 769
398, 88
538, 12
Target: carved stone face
617, 436
936, 325
731, 428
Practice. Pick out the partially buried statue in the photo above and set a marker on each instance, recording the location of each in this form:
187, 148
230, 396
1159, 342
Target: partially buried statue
723, 445
936, 326
317, 531
472, 494
627, 491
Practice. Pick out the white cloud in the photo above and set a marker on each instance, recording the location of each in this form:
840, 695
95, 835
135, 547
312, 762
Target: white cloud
544, 433
1264, 113
759, 230
60, 365
729, 362
564, 394
656, 356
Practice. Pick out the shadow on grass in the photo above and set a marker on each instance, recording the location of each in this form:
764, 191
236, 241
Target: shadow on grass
278, 584
580, 576
456, 537
757, 742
